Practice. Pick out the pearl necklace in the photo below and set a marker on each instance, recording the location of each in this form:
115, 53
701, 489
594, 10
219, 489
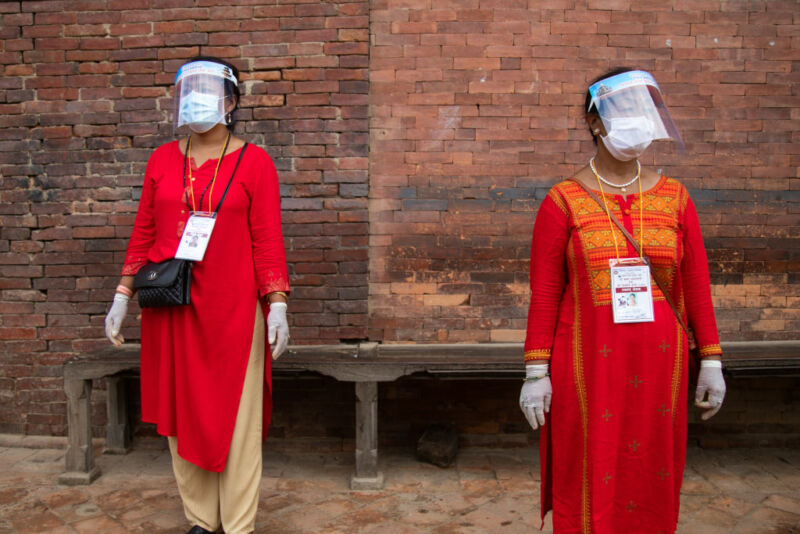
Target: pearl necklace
621, 187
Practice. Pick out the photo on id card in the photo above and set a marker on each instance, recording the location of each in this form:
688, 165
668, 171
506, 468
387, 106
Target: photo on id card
631, 292
196, 236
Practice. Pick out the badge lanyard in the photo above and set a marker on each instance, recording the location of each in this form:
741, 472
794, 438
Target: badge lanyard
200, 225
610, 224
188, 156
631, 293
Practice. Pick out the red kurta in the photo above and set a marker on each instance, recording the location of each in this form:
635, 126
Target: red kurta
194, 357
614, 446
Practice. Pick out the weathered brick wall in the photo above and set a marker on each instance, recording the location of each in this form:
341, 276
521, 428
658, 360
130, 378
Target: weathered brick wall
85, 98
452, 117
476, 110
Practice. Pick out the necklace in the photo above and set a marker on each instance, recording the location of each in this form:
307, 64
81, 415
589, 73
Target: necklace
621, 187
608, 213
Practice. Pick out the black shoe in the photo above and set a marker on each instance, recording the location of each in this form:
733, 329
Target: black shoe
199, 530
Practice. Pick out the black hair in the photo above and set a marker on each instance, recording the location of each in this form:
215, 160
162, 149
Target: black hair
609, 74
231, 89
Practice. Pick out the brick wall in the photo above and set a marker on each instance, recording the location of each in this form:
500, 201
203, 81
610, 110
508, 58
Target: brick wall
476, 110
414, 141
85, 98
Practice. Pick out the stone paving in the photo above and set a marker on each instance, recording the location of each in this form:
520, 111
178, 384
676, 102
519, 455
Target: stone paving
739, 491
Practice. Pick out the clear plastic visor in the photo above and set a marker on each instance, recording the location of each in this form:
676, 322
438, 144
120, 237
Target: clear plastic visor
640, 101
200, 95
199, 102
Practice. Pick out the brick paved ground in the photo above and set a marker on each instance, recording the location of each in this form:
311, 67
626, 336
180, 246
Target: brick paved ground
488, 491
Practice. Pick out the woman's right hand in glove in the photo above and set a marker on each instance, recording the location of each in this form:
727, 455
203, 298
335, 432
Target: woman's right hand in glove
537, 391
115, 317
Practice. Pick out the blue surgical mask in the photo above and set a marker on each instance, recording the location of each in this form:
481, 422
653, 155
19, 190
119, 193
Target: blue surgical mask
200, 111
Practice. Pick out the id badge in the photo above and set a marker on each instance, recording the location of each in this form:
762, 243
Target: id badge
195, 236
631, 293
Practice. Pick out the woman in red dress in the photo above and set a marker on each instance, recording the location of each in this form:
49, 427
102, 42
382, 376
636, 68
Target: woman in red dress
205, 380
610, 371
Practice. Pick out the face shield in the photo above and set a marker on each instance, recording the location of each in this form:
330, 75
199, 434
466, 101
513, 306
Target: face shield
201, 92
633, 112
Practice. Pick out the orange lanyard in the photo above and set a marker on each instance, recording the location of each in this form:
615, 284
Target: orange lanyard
214, 179
610, 224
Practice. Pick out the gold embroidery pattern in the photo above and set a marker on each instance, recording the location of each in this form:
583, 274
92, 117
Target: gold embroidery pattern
662, 208
538, 354
555, 197
580, 386
710, 350
677, 370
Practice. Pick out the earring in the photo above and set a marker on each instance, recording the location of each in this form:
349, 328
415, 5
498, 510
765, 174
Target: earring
595, 131
228, 117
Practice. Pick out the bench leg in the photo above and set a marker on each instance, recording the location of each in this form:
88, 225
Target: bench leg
80, 456
366, 476
117, 431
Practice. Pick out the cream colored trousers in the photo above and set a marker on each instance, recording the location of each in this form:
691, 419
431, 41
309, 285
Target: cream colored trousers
230, 498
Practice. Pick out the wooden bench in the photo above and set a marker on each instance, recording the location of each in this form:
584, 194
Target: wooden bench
364, 364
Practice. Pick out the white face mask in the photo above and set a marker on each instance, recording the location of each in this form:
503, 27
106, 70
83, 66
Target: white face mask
200, 111
628, 137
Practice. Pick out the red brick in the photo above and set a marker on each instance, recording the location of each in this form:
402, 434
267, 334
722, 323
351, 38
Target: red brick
15, 333
228, 12
709, 41
346, 48
141, 42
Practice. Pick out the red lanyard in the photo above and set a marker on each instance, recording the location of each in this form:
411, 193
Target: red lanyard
214, 179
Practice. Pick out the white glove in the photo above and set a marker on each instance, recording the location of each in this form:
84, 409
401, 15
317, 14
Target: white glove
534, 399
277, 328
710, 381
114, 318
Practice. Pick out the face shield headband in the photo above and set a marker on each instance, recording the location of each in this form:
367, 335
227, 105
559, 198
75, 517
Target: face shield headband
633, 112
200, 95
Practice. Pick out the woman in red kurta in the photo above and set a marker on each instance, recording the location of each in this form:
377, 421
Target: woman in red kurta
614, 446
195, 357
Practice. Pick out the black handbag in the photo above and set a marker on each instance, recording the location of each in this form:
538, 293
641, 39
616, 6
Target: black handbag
169, 283
164, 284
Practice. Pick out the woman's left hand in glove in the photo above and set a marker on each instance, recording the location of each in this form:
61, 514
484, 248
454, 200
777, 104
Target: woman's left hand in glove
277, 328
711, 382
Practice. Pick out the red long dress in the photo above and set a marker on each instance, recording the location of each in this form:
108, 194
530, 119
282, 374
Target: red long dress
194, 357
614, 446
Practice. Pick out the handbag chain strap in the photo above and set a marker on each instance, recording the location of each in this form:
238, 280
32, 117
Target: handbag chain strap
641, 253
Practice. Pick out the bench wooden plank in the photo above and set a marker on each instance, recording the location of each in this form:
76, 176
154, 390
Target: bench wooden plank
439, 357
104, 362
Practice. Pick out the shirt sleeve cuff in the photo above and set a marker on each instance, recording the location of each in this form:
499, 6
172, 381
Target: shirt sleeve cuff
130, 269
710, 350
537, 354
273, 287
